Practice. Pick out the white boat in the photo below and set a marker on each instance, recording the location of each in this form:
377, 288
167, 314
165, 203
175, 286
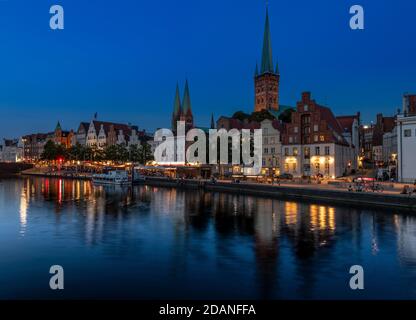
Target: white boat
115, 177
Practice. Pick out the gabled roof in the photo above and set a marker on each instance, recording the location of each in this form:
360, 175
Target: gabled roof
107, 125
84, 125
346, 122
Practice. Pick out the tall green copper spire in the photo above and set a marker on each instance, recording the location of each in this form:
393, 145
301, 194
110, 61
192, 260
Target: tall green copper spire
177, 102
58, 126
266, 58
186, 100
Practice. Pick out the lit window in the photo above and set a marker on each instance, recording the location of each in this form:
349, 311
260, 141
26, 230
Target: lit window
321, 138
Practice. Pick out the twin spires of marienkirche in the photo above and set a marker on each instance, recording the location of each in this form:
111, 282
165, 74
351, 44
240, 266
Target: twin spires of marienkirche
182, 111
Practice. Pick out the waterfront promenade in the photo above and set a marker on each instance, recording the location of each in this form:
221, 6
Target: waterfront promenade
335, 191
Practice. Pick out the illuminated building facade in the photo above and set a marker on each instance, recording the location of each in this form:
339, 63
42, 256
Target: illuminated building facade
314, 143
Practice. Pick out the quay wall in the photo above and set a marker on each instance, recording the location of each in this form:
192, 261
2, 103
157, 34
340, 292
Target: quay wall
320, 195
342, 197
11, 168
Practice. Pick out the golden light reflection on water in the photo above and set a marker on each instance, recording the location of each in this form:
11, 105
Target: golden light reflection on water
291, 213
322, 217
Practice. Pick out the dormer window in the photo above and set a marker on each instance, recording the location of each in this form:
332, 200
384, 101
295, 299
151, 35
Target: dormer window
305, 107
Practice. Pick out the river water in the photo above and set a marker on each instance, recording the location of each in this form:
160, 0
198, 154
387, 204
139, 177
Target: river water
161, 243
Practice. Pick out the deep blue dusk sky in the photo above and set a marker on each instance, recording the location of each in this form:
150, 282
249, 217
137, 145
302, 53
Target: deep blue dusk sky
123, 58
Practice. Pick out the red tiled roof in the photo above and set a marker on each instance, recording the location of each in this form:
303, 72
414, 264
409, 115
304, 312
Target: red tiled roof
346, 122
107, 125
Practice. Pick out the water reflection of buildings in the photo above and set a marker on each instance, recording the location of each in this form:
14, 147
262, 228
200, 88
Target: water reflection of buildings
406, 238
203, 224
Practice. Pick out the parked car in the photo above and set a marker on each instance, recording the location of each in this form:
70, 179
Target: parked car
286, 176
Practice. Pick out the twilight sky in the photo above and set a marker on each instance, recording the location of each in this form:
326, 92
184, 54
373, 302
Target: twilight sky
123, 58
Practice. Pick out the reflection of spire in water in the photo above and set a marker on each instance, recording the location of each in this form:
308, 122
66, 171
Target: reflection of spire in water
374, 240
406, 238
23, 211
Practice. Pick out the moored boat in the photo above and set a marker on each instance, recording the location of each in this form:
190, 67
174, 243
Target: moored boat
115, 177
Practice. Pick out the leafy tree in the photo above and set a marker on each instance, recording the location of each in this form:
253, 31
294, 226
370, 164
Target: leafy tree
145, 153
53, 151
240, 115
286, 115
110, 153
259, 116
49, 151
134, 153
122, 153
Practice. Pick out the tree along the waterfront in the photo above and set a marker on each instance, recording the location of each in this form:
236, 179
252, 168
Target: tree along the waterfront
115, 153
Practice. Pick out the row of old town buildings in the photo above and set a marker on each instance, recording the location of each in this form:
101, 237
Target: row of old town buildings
95, 134
305, 139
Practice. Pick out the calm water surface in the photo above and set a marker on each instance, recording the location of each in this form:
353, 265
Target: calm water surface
155, 243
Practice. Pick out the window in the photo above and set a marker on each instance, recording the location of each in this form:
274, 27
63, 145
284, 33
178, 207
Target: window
307, 152
322, 138
272, 141
317, 151
315, 138
317, 166
290, 139
327, 150
266, 150
305, 107
407, 133
286, 151
266, 131
327, 168
272, 150
263, 162
315, 128
295, 151
266, 141
295, 129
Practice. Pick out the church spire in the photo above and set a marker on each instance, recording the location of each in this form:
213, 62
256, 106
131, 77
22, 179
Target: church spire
177, 102
186, 100
212, 121
256, 71
177, 109
266, 58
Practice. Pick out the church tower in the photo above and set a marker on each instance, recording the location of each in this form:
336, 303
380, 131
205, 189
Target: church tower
266, 82
182, 111
186, 109
177, 109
